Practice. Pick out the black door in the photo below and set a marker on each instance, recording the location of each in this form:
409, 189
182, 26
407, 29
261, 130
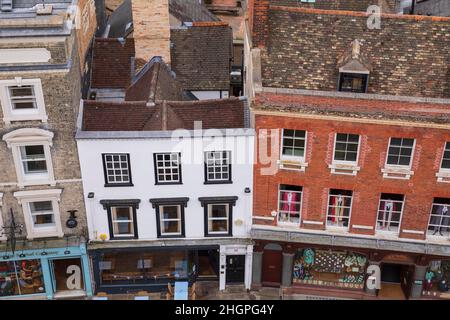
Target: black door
235, 269
391, 273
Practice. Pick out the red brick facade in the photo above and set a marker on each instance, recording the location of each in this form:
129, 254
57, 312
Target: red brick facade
367, 185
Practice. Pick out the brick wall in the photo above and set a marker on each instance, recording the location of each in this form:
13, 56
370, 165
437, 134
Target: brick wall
86, 30
387, 6
367, 186
151, 29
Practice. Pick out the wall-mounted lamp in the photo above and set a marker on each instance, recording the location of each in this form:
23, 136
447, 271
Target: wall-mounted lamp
91, 195
72, 221
247, 190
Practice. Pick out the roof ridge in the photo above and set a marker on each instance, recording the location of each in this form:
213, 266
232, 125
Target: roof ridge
357, 13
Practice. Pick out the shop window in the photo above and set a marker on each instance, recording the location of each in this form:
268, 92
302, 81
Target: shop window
41, 212
399, 158
390, 212
167, 168
293, 150
439, 224
170, 216
117, 169
330, 268
21, 277
31, 153
144, 267
345, 156
444, 172
339, 208
22, 99
437, 279
122, 218
353, 82
218, 167
290, 204
218, 215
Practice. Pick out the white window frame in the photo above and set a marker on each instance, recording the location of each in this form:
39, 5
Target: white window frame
24, 198
105, 168
228, 165
171, 167
331, 227
179, 219
444, 173
283, 223
9, 114
227, 218
2, 237
31, 137
295, 163
381, 231
434, 236
131, 213
392, 171
342, 166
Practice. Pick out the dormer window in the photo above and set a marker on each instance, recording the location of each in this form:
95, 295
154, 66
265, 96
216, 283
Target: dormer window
354, 69
353, 82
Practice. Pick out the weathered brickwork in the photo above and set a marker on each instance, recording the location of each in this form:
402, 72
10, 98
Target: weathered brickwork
368, 184
409, 55
387, 6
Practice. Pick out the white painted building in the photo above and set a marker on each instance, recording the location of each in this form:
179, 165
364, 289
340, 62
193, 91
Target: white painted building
161, 207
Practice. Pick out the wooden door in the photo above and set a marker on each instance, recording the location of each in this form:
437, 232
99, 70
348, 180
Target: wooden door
271, 269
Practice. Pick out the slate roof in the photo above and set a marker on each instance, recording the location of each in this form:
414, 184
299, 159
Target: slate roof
121, 21
112, 63
409, 55
140, 116
201, 55
190, 11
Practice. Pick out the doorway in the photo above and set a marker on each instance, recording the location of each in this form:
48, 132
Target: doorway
235, 272
67, 276
271, 266
396, 281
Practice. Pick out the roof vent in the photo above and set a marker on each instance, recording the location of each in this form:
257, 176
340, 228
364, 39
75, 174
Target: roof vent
6, 5
43, 9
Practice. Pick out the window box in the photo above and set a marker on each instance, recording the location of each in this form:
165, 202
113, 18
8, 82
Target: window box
345, 154
399, 159
218, 215
170, 222
41, 212
218, 167
117, 170
122, 219
32, 157
167, 168
22, 100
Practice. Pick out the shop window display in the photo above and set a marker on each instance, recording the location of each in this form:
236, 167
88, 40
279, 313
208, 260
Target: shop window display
289, 207
437, 278
145, 267
339, 208
21, 278
330, 268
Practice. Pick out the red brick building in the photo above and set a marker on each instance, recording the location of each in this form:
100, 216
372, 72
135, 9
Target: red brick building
351, 184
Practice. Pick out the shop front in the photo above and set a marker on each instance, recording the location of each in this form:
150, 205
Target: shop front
45, 273
436, 282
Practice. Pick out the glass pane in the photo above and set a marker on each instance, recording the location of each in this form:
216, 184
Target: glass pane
122, 213
218, 210
41, 206
170, 212
171, 227
218, 225
43, 219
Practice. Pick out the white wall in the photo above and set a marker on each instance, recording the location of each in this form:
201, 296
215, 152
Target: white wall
142, 169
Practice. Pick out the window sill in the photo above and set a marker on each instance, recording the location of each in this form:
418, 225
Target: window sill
26, 183
31, 117
123, 238
293, 165
38, 235
167, 183
218, 182
218, 235
178, 236
397, 173
443, 176
108, 185
345, 169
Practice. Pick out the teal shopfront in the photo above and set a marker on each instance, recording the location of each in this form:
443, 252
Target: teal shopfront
45, 273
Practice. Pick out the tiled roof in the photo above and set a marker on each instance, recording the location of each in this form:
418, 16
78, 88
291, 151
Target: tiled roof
363, 108
351, 5
409, 54
155, 81
140, 116
190, 10
111, 63
200, 56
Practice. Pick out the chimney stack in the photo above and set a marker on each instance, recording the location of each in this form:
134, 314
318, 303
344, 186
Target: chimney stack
151, 29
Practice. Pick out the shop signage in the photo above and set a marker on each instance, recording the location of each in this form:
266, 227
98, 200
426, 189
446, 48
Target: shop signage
374, 279
74, 280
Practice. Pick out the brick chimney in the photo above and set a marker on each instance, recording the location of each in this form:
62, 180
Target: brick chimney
258, 11
151, 29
